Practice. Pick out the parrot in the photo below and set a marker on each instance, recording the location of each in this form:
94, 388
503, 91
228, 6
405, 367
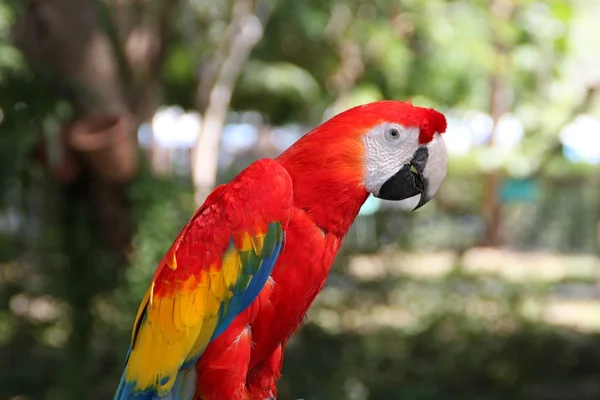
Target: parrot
238, 280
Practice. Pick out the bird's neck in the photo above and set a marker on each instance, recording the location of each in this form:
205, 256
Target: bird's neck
326, 186
333, 209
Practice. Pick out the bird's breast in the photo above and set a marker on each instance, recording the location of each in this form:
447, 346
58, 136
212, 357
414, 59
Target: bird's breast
299, 275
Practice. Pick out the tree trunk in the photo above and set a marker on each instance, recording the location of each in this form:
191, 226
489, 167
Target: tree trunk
501, 11
245, 31
65, 37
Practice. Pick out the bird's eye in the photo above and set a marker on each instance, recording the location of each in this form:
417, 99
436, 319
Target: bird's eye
392, 134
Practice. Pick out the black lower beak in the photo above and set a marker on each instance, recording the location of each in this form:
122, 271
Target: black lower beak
408, 181
404, 184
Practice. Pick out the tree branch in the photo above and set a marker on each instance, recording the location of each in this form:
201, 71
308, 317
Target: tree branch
157, 56
501, 12
246, 30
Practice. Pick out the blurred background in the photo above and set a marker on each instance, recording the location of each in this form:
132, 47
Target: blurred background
117, 117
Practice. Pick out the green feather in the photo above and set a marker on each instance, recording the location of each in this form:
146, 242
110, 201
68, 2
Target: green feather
272, 238
250, 262
242, 283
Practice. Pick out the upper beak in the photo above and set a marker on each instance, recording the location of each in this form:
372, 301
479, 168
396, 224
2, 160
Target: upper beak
422, 176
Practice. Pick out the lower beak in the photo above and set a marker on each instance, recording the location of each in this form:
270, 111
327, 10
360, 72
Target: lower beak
422, 176
406, 183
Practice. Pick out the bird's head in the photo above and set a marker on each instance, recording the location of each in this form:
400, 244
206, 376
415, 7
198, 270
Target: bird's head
391, 149
404, 154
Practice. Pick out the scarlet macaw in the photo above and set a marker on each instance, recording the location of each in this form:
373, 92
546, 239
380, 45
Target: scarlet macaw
239, 278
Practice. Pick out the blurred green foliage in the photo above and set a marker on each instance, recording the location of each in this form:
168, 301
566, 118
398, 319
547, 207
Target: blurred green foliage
437, 53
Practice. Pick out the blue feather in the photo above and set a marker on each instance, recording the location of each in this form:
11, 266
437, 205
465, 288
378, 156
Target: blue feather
240, 302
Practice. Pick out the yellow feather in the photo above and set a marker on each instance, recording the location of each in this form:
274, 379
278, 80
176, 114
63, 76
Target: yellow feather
193, 338
182, 301
132, 363
246, 242
189, 316
161, 367
140, 368
231, 268
200, 301
153, 319
167, 319
151, 299
172, 356
212, 306
258, 242
208, 327
217, 284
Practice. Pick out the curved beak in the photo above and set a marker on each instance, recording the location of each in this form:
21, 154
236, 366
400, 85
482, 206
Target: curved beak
422, 176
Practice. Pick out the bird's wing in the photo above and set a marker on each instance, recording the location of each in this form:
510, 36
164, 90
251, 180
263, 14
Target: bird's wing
215, 268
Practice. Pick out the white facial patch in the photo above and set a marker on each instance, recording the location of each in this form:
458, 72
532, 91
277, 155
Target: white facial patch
437, 164
388, 147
